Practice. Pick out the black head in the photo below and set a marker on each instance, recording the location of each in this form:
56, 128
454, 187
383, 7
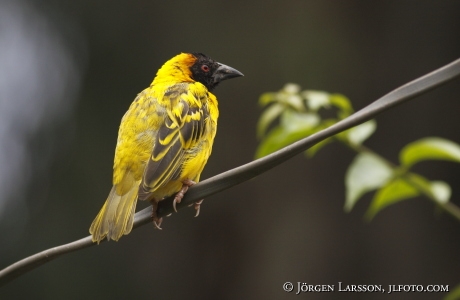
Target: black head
209, 72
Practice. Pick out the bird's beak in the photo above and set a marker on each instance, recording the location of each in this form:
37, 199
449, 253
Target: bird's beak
224, 72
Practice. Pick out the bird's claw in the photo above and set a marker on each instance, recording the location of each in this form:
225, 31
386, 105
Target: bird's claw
185, 186
156, 221
197, 206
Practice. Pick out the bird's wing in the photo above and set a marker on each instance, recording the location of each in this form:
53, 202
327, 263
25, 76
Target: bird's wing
183, 127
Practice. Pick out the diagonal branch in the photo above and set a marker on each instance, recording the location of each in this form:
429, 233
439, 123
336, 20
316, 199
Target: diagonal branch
245, 172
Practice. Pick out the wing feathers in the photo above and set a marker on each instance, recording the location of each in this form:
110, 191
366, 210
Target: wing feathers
182, 130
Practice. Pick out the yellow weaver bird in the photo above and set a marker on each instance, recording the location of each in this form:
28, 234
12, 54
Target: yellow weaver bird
164, 141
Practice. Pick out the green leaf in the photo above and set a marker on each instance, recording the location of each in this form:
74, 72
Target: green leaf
316, 99
267, 98
278, 138
367, 172
272, 142
290, 96
405, 188
324, 124
454, 294
293, 121
291, 88
393, 192
428, 149
267, 117
358, 134
441, 191
293, 127
343, 104
292, 100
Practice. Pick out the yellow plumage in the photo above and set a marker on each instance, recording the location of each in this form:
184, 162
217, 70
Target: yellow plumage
164, 141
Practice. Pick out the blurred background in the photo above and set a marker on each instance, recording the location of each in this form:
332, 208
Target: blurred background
70, 69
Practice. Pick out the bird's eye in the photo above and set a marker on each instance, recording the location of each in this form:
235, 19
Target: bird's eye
205, 68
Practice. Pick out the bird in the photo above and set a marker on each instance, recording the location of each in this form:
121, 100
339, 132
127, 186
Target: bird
164, 141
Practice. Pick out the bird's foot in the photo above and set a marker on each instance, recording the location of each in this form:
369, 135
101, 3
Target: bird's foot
185, 186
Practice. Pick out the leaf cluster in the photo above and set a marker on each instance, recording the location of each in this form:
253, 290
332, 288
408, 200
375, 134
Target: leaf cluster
302, 113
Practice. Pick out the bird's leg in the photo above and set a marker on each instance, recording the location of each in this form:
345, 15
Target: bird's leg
156, 221
185, 185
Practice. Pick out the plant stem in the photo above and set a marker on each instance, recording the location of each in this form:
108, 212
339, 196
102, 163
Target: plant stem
448, 207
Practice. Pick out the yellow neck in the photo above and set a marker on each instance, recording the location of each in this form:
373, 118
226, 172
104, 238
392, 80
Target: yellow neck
177, 69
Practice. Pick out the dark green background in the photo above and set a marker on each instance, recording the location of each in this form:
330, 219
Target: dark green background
286, 225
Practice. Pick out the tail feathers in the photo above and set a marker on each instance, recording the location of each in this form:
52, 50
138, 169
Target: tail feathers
116, 216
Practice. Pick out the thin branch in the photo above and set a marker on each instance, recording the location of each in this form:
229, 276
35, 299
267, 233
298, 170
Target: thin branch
243, 173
